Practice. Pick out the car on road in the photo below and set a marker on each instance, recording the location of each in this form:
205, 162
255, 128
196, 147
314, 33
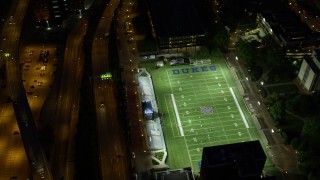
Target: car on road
13, 177
30, 92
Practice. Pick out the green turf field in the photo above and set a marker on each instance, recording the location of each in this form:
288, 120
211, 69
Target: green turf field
200, 107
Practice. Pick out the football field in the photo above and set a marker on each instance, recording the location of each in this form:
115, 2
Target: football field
200, 107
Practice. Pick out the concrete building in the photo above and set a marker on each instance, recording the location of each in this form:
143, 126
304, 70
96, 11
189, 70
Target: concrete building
309, 72
289, 32
176, 25
233, 161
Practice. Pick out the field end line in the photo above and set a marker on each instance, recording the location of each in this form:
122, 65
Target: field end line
177, 114
239, 108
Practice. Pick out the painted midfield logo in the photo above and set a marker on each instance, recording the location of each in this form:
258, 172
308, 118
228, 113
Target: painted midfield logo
207, 110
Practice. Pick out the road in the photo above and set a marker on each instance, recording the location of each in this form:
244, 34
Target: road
11, 34
129, 58
282, 156
312, 21
113, 154
13, 159
62, 161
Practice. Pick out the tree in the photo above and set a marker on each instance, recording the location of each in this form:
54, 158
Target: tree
295, 142
276, 110
247, 51
275, 55
306, 106
309, 163
311, 127
274, 97
221, 39
292, 104
256, 72
203, 53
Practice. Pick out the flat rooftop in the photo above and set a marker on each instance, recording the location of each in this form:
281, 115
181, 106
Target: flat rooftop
244, 156
173, 18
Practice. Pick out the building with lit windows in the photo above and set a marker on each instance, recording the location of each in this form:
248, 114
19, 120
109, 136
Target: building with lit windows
309, 73
289, 32
176, 25
54, 12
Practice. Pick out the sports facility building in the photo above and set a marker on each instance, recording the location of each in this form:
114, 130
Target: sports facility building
176, 25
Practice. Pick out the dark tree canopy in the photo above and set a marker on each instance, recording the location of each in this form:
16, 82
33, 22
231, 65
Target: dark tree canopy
312, 127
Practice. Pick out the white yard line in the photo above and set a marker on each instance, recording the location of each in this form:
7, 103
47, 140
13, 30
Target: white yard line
239, 108
177, 114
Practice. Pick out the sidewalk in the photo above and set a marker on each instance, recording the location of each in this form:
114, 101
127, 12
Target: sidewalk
283, 157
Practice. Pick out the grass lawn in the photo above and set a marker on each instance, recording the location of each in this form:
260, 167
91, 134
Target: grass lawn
285, 88
200, 107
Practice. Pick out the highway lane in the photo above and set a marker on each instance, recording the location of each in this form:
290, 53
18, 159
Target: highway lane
113, 156
62, 161
13, 160
312, 21
35, 154
11, 33
6, 31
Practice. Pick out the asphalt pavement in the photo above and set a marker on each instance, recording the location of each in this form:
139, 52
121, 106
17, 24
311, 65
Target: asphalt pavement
283, 157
